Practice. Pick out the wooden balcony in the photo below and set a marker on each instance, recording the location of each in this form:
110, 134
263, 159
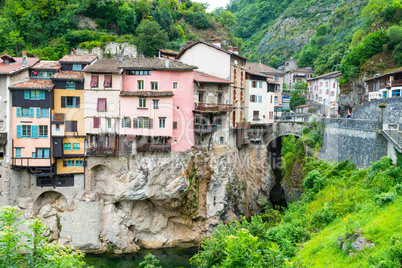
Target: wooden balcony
93, 151
205, 129
243, 125
212, 108
397, 83
153, 147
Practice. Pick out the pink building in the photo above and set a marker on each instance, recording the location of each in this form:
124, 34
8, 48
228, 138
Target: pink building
156, 104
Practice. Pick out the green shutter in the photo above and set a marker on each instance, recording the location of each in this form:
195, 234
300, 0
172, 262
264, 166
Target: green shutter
26, 94
19, 131
35, 131
18, 112
31, 112
42, 95
38, 112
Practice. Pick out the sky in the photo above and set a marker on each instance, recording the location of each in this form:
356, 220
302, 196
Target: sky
213, 3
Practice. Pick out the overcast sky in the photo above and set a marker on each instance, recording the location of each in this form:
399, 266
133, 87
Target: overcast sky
213, 3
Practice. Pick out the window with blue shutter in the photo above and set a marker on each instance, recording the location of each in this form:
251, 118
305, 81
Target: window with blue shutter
44, 113
31, 112
19, 131
18, 152
35, 131
70, 163
18, 112
26, 94
42, 95
38, 113
46, 153
39, 153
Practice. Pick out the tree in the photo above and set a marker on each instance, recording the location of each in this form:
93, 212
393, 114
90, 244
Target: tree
150, 261
150, 37
274, 61
296, 99
227, 18
127, 19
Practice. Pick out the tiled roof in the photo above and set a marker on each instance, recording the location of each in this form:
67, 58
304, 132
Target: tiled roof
303, 70
16, 66
168, 51
262, 68
58, 117
395, 71
204, 78
104, 66
81, 59
327, 75
152, 93
68, 75
33, 84
47, 65
208, 44
155, 64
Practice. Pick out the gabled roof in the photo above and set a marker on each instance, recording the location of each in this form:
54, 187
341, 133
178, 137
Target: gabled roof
395, 71
37, 84
205, 78
104, 66
15, 64
78, 59
303, 70
327, 76
252, 67
147, 93
155, 64
169, 52
47, 65
68, 75
207, 44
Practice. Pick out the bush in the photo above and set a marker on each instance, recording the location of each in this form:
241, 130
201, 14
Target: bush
314, 181
384, 198
150, 261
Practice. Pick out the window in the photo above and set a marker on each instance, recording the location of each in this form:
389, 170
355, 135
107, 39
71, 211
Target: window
276, 78
67, 146
77, 67
259, 99
254, 84
101, 107
24, 112
26, 131
42, 112
326, 84
140, 84
43, 131
108, 81
162, 122
70, 102
143, 122
174, 124
94, 81
71, 84
221, 140
156, 104
332, 93
57, 127
143, 102
253, 98
34, 95
176, 85
109, 123
256, 115
79, 163
76, 146
276, 99
71, 126
70, 163
154, 85
41, 153
18, 152
96, 122
138, 72
334, 85
46, 153
127, 122
260, 84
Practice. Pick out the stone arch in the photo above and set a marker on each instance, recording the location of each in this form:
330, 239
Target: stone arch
100, 177
52, 200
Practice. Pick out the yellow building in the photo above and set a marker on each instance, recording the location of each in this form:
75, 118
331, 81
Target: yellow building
68, 129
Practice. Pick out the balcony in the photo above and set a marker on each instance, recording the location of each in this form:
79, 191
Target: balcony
104, 151
243, 125
212, 108
397, 83
205, 129
153, 147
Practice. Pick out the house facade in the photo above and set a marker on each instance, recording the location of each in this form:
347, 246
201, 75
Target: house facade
385, 86
324, 89
293, 73
102, 86
156, 105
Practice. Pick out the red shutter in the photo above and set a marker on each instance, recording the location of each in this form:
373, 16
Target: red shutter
96, 122
94, 81
108, 81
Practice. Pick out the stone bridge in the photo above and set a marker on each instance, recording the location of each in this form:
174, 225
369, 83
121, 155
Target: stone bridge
280, 129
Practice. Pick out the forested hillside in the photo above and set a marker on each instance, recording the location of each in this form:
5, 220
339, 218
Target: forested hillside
49, 28
320, 33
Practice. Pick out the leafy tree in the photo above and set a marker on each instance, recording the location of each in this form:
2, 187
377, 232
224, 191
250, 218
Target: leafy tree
150, 262
127, 19
321, 30
296, 97
150, 37
164, 18
227, 18
274, 61
198, 19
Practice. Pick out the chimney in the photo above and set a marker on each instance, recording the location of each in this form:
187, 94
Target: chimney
189, 43
73, 52
24, 58
230, 48
216, 42
236, 50
167, 63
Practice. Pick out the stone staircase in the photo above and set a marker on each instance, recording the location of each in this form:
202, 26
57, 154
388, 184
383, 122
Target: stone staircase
395, 137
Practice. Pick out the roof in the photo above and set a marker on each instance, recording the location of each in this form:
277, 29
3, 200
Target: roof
303, 106
155, 64
104, 66
16, 66
47, 65
68, 75
168, 51
395, 71
78, 59
33, 84
262, 68
205, 78
208, 44
58, 117
327, 75
152, 93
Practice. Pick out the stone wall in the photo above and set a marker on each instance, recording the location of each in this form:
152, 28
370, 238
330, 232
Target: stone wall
357, 140
392, 113
111, 50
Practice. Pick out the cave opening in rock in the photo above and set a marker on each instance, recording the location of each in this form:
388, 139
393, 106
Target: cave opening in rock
277, 194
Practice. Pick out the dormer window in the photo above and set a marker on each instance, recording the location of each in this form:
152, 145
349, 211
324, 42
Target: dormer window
7, 59
77, 67
7, 62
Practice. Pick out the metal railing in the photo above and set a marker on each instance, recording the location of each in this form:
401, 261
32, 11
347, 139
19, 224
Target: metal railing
104, 151
209, 107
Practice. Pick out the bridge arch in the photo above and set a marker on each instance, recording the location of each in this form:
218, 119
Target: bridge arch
53, 198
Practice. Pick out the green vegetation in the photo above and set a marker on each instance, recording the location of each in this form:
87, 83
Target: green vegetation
296, 95
150, 261
40, 253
